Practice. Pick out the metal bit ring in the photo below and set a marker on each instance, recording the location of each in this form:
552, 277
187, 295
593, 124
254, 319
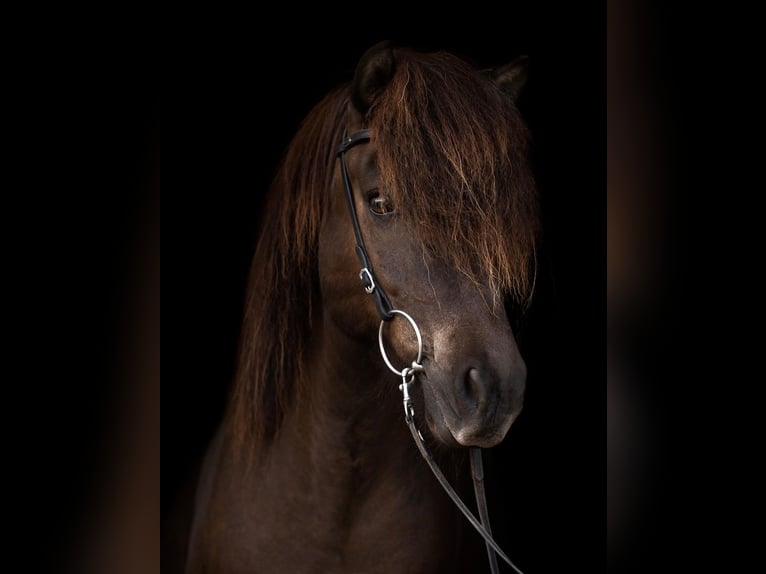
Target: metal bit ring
416, 366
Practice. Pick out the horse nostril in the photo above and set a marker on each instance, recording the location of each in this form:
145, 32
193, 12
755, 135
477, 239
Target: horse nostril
474, 388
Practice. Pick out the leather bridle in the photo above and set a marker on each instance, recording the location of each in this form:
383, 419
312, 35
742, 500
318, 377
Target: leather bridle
366, 274
409, 374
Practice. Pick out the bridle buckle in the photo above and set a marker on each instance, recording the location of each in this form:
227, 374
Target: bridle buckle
367, 281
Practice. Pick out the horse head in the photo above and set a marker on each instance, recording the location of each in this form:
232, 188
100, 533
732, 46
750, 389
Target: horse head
446, 204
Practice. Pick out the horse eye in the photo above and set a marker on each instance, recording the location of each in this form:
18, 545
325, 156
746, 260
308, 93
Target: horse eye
379, 205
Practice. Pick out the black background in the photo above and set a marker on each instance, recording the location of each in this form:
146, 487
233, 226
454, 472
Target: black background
238, 94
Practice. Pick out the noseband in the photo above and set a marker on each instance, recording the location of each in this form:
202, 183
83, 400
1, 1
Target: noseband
408, 374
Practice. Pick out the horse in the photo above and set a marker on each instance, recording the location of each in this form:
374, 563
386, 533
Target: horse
313, 468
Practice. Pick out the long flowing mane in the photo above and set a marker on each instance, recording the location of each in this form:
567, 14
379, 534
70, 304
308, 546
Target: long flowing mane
452, 156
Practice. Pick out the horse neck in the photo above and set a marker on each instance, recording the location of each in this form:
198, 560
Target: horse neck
354, 408
349, 436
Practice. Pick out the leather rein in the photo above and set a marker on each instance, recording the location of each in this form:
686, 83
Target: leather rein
409, 374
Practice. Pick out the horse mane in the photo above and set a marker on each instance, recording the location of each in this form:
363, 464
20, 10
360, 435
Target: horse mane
452, 158
282, 285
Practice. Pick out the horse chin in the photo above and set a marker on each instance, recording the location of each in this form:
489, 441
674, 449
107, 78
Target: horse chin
455, 434
441, 431
452, 434
468, 435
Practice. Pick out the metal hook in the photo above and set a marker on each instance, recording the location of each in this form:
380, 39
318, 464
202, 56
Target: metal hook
409, 410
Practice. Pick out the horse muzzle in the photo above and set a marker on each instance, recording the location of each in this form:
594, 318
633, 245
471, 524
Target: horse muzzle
476, 408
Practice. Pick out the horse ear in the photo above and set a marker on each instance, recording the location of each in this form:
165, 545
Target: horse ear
512, 77
374, 71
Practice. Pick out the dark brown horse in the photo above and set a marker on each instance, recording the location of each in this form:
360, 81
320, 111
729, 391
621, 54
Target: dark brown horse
313, 469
